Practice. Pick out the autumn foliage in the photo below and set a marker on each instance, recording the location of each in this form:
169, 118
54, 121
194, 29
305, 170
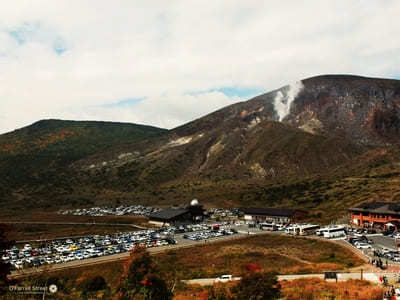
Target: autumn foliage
318, 289
139, 279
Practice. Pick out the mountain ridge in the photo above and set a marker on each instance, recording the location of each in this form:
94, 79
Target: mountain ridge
242, 155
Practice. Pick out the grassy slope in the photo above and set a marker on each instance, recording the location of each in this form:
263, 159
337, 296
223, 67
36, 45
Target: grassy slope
307, 288
34, 160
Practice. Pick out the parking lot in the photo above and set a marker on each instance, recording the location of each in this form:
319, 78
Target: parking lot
94, 248
380, 249
76, 249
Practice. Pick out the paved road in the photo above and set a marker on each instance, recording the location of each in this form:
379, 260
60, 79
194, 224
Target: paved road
75, 223
374, 277
383, 242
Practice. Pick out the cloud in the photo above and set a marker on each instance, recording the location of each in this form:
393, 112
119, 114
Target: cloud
180, 108
78, 59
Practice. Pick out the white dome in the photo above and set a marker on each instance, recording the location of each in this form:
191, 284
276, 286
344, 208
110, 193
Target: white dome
194, 202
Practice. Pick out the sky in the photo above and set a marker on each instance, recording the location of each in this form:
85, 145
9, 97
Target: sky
164, 63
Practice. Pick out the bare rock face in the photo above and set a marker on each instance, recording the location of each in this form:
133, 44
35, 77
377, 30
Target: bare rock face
363, 110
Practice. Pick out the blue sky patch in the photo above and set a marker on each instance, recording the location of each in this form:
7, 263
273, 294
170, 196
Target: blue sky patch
232, 91
242, 92
124, 102
60, 46
36, 32
25, 32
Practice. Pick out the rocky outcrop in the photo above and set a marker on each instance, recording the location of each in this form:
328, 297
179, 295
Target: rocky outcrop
363, 110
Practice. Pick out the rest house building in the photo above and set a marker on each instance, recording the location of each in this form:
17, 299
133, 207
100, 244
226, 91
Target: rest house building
177, 216
272, 215
376, 214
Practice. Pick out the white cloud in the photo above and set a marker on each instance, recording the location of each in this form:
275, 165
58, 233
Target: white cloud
161, 51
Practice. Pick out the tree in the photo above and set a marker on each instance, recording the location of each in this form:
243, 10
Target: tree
139, 279
257, 286
4, 267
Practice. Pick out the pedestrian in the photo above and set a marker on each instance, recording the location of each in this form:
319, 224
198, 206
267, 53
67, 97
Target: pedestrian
381, 279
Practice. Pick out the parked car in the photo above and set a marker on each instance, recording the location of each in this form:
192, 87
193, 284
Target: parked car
363, 246
224, 278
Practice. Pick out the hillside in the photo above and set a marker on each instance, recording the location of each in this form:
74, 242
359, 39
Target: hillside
325, 143
38, 155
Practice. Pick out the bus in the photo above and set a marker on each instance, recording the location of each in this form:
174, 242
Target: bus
268, 226
304, 229
332, 232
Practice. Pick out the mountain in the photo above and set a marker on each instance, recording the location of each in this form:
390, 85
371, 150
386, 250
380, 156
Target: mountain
323, 143
35, 156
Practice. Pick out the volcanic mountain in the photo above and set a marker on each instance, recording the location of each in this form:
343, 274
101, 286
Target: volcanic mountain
291, 146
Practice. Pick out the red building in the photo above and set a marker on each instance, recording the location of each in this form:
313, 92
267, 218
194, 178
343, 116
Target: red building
376, 214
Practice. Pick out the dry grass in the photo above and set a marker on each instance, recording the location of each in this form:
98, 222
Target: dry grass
306, 289
25, 232
275, 253
318, 289
21, 232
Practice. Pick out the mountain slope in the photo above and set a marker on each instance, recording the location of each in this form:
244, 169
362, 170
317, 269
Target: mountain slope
50, 145
306, 145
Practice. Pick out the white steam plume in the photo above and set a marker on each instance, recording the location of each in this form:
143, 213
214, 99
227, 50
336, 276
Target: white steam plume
283, 99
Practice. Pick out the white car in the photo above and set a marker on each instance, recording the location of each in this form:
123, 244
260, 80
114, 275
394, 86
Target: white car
224, 278
49, 260
363, 246
5, 257
19, 264
70, 257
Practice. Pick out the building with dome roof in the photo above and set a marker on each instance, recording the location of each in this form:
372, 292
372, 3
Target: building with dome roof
192, 213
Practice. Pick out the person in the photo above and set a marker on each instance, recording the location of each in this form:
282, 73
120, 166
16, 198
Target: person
392, 293
386, 296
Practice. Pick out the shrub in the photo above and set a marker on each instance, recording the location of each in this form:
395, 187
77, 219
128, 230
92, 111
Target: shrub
96, 283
